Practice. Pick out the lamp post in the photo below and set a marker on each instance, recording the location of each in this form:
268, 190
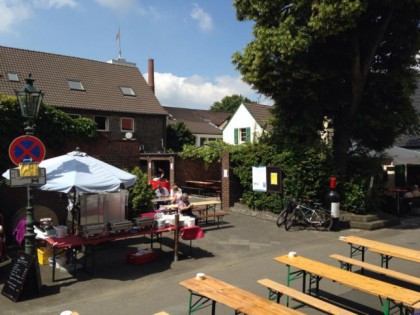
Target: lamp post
29, 101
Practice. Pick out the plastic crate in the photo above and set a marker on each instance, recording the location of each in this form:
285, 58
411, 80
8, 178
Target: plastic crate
138, 257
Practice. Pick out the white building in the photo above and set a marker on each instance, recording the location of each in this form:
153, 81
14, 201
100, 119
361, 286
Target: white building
247, 124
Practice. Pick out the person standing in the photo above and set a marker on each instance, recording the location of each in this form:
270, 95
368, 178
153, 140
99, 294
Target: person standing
175, 195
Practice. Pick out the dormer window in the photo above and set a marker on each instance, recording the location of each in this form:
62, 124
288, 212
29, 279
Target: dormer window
13, 77
76, 85
128, 91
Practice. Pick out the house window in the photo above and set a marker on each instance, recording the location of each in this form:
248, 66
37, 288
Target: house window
128, 91
242, 135
127, 124
13, 77
76, 85
102, 122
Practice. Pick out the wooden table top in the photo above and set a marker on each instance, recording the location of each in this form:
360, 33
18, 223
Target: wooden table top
384, 248
353, 280
235, 298
195, 204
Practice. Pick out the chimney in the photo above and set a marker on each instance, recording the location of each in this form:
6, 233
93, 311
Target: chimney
151, 78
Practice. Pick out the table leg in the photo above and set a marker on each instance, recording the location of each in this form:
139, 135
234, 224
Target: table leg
53, 265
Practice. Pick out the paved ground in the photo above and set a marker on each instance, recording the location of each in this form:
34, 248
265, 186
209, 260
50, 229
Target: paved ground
240, 252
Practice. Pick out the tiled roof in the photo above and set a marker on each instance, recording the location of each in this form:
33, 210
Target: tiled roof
101, 81
197, 115
200, 127
199, 121
261, 113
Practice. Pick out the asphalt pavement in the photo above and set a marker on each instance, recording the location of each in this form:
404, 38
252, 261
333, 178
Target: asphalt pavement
240, 252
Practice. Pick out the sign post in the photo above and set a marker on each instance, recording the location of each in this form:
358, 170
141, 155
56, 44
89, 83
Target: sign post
26, 152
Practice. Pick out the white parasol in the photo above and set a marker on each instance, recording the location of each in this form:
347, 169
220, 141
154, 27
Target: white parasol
80, 172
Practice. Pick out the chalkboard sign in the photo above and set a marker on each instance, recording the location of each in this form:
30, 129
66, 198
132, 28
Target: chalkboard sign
23, 275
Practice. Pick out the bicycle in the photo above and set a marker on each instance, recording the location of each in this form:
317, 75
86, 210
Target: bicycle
284, 214
313, 215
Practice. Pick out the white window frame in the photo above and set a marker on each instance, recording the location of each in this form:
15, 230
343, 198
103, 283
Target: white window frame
76, 85
127, 91
242, 135
106, 122
132, 124
12, 76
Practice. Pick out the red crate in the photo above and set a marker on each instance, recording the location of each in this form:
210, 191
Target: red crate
135, 258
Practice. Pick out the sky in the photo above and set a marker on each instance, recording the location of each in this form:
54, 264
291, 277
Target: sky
191, 42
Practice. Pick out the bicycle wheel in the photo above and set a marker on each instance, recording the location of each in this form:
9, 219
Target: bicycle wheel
281, 219
291, 219
325, 220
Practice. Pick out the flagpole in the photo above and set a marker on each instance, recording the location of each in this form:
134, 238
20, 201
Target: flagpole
118, 37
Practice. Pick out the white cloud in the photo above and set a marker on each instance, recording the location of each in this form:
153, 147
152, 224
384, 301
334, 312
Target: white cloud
12, 12
195, 91
55, 3
122, 6
205, 22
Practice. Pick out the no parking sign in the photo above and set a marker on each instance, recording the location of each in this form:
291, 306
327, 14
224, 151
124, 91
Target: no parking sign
26, 149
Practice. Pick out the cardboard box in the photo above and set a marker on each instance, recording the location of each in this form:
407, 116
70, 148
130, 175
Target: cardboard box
138, 257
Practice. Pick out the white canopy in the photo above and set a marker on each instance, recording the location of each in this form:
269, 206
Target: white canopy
403, 156
83, 173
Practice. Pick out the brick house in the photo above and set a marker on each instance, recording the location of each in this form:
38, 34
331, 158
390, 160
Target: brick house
114, 93
130, 119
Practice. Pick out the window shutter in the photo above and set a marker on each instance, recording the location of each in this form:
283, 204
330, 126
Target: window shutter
248, 135
236, 135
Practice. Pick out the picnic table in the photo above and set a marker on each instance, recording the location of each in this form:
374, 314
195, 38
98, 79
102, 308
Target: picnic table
77, 242
359, 245
206, 209
399, 296
211, 291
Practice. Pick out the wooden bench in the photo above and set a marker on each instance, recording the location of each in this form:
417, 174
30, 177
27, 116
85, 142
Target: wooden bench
218, 216
276, 290
190, 190
387, 251
347, 263
209, 291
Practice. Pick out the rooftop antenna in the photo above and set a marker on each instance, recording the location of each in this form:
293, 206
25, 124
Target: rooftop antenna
118, 38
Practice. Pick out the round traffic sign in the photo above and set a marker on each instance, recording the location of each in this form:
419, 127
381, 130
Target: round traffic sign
26, 149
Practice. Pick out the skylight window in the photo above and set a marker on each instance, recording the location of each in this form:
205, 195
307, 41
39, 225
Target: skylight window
13, 77
127, 91
76, 85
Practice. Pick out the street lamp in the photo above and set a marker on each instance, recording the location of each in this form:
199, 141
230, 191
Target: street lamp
29, 101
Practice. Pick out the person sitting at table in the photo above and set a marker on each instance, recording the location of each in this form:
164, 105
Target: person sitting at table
161, 191
175, 194
184, 206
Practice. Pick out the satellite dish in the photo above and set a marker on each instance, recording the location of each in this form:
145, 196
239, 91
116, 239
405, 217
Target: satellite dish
128, 135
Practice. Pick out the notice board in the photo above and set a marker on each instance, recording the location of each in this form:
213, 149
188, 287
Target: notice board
23, 277
267, 179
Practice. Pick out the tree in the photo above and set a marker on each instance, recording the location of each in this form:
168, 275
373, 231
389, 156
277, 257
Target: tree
229, 103
350, 60
178, 135
52, 126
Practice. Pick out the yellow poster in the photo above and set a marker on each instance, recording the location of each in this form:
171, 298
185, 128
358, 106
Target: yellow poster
273, 179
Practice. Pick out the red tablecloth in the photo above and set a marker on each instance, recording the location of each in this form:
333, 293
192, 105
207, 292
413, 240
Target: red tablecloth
155, 183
